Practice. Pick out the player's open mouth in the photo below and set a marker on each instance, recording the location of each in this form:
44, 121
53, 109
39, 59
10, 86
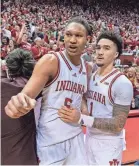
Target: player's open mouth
72, 48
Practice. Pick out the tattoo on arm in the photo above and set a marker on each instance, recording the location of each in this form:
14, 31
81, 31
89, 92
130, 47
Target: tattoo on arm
114, 124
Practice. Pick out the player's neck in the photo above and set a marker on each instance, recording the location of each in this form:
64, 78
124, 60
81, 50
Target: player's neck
105, 70
75, 60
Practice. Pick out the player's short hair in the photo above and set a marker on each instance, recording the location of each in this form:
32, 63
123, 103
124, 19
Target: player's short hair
81, 21
20, 63
114, 37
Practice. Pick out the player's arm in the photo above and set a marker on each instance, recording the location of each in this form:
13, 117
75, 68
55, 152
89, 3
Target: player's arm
45, 69
116, 123
84, 106
22, 103
84, 109
113, 125
121, 108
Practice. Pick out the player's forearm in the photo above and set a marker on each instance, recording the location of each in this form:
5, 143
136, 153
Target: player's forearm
33, 88
111, 125
114, 124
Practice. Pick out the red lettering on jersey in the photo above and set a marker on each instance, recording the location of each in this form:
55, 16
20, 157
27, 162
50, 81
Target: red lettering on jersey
95, 96
72, 85
57, 88
99, 97
79, 89
103, 100
75, 88
62, 85
68, 85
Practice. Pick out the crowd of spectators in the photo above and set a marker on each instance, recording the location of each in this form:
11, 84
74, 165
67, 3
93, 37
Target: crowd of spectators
132, 73
39, 28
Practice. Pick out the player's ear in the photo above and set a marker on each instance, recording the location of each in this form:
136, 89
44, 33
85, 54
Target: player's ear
116, 54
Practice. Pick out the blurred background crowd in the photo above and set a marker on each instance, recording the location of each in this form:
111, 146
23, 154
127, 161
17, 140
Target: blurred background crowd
38, 27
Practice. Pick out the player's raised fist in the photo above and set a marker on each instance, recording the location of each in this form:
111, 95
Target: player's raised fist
19, 105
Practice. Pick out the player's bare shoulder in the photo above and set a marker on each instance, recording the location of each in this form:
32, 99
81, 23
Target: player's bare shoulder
49, 59
48, 64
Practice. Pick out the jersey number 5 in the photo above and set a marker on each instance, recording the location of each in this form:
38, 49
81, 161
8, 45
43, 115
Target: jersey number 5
68, 102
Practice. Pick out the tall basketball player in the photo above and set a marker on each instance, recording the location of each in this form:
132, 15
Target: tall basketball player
108, 101
62, 78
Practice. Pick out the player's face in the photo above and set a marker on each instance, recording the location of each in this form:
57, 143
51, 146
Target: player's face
75, 39
106, 52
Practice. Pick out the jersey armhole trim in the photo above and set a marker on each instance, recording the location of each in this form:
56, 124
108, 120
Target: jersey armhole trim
65, 60
110, 87
57, 73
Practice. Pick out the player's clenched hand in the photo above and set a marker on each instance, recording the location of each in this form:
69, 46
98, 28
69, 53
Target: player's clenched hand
19, 105
69, 115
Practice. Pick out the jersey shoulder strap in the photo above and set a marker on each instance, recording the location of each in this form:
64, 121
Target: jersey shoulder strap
110, 87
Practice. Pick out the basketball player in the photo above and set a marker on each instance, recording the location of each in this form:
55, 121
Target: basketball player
62, 77
108, 100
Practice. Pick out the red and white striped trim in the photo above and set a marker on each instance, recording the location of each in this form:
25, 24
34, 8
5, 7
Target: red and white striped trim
110, 87
112, 73
94, 77
81, 68
67, 63
115, 71
58, 71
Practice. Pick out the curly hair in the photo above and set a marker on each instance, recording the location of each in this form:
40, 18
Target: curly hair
20, 63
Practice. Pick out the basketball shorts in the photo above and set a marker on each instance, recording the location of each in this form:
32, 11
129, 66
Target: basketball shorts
104, 151
69, 152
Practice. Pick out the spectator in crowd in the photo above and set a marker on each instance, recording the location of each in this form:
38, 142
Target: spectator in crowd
18, 143
133, 78
125, 70
37, 50
136, 51
11, 45
4, 47
136, 91
132, 75
22, 40
87, 56
117, 62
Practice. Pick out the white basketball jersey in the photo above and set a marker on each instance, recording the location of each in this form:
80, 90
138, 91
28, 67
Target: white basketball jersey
66, 89
100, 99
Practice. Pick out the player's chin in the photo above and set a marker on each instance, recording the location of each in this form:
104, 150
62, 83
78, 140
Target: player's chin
99, 64
73, 53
